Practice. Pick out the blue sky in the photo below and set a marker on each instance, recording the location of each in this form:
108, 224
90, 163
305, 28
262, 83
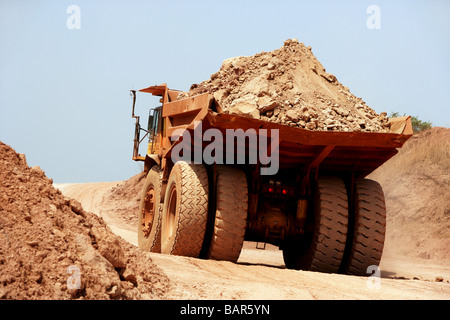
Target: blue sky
64, 93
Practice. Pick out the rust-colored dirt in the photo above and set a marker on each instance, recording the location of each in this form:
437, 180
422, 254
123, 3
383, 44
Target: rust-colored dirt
45, 237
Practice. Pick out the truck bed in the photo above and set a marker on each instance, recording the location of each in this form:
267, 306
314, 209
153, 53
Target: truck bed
360, 152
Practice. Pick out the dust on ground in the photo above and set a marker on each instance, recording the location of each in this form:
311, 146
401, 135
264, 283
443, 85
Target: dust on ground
416, 183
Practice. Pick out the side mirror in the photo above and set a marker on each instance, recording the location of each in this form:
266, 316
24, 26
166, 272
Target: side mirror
133, 96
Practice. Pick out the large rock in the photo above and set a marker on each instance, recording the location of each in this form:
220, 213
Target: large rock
245, 106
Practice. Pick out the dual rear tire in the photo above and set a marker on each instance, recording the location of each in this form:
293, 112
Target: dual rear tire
365, 245
341, 239
322, 249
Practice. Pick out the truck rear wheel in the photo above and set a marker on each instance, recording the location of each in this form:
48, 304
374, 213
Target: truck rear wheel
323, 248
230, 214
185, 210
367, 240
149, 222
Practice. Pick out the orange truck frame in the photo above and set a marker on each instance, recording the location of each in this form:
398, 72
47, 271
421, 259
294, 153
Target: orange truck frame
317, 206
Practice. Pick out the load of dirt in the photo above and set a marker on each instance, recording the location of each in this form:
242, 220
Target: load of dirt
50, 248
416, 183
291, 87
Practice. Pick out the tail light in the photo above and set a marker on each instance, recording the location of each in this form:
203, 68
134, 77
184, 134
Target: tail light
278, 189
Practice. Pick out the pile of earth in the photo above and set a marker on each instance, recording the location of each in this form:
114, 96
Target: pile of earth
416, 183
50, 248
126, 197
291, 87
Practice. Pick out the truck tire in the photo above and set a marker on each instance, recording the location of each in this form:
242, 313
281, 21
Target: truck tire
323, 249
149, 221
185, 210
367, 239
230, 215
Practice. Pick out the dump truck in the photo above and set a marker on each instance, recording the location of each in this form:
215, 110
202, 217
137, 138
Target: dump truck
214, 180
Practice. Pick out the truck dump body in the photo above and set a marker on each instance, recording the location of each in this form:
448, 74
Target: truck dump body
360, 152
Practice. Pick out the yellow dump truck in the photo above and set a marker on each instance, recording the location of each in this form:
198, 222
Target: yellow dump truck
214, 180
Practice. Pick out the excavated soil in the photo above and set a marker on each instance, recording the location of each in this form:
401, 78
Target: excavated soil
416, 183
47, 240
288, 86
130, 192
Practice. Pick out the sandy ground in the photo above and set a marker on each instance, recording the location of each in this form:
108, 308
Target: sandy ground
261, 274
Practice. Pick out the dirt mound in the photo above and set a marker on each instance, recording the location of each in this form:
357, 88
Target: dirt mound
288, 86
126, 197
50, 248
416, 183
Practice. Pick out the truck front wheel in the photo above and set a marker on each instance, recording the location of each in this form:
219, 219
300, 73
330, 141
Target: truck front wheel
149, 222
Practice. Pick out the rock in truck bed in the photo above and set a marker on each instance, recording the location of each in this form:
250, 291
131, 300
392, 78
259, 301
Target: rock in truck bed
291, 87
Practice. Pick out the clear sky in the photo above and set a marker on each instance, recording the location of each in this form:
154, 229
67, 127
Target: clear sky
64, 93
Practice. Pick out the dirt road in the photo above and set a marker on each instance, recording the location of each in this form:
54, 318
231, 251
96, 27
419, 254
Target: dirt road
261, 274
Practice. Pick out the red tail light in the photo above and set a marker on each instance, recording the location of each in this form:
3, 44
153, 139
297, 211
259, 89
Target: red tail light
278, 190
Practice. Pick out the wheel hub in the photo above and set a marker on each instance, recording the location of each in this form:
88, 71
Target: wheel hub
148, 212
